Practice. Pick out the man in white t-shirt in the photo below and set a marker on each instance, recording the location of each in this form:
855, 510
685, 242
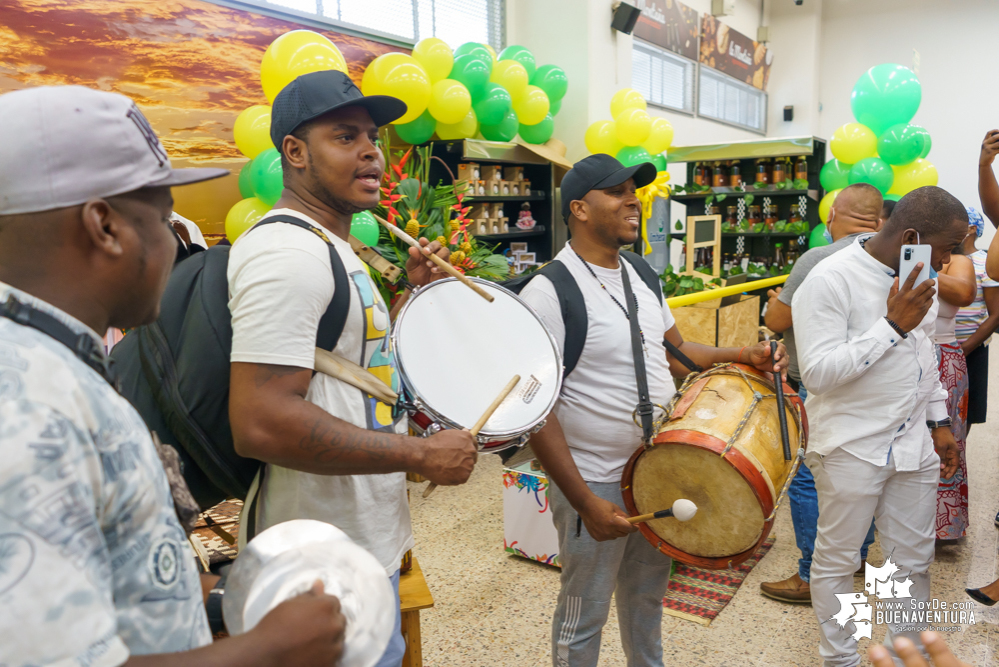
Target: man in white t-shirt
590, 435
334, 453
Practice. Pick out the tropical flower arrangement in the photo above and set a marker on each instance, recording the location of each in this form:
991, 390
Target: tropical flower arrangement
432, 212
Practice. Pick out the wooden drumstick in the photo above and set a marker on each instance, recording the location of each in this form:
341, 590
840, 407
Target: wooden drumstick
444, 265
483, 419
354, 375
781, 414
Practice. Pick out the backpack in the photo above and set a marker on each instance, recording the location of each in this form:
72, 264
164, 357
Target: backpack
175, 371
571, 303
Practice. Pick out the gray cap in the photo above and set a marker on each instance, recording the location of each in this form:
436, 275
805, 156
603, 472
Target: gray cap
63, 145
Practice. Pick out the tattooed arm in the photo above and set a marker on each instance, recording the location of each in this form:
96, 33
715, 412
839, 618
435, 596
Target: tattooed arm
272, 422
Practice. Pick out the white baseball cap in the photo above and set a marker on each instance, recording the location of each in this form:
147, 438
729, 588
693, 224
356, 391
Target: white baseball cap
63, 145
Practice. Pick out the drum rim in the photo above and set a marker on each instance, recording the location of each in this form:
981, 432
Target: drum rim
439, 418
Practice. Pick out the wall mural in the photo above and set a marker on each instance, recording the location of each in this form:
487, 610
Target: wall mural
191, 66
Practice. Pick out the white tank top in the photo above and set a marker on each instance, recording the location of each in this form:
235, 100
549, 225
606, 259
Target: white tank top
946, 320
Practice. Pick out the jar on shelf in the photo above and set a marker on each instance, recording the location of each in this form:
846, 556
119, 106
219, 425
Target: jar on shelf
706, 173
801, 169
719, 178
778, 172
753, 214
761, 172
795, 215
734, 175
731, 216
698, 173
712, 209
770, 216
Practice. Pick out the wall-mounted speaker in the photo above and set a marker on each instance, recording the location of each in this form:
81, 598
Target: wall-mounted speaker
625, 17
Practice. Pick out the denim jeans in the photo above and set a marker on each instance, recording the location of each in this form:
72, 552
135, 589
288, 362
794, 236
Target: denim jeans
805, 515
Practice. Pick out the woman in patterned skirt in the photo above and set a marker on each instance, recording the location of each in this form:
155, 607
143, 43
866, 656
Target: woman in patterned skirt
957, 287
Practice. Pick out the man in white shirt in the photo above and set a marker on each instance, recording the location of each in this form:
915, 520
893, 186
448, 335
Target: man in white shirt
591, 433
334, 453
879, 429
95, 568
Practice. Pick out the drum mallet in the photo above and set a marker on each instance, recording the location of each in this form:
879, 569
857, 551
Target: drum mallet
781, 413
444, 265
682, 510
483, 419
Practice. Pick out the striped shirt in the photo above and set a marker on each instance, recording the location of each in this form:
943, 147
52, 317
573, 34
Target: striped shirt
971, 317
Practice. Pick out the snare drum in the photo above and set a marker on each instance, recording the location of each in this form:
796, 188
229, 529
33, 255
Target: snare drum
721, 448
456, 351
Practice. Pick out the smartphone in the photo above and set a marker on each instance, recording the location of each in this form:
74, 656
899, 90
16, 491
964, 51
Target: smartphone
910, 256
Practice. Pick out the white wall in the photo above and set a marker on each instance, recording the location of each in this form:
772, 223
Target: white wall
795, 39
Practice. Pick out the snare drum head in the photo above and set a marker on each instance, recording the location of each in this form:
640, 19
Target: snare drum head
729, 518
456, 351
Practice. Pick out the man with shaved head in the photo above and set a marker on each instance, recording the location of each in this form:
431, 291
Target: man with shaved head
856, 210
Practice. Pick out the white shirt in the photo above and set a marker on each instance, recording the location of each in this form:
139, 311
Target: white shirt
197, 238
280, 284
870, 391
598, 398
94, 565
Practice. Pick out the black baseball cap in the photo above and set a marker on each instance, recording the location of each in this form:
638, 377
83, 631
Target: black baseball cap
311, 95
600, 171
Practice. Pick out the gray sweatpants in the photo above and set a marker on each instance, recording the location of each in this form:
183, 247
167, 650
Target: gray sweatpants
628, 567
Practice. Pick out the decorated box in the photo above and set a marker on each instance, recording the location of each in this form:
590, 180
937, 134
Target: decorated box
528, 530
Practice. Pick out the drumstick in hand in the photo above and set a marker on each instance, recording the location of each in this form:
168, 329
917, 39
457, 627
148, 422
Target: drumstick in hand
444, 265
683, 510
484, 418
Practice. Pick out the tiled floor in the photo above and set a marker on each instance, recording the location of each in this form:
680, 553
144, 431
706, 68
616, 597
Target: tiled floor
494, 610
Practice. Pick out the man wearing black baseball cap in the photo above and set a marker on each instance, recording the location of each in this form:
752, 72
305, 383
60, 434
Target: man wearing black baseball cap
334, 453
591, 433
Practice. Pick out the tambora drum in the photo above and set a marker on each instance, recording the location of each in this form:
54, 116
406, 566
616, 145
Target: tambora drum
721, 448
456, 351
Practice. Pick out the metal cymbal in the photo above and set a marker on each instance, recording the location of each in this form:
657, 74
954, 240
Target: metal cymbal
286, 559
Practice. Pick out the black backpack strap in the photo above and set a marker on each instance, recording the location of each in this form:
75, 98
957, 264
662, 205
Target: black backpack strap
645, 272
335, 318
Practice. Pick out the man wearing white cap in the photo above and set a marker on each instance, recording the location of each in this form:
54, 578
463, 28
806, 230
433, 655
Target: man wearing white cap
95, 568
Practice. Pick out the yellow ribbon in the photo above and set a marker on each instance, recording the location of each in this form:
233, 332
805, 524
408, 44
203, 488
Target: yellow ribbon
647, 195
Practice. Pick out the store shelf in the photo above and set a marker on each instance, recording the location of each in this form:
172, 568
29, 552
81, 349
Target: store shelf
792, 235
536, 196
539, 230
766, 192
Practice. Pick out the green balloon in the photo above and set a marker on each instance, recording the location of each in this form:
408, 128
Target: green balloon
901, 144
522, 55
554, 106
494, 105
474, 49
927, 142
660, 161
817, 238
540, 133
418, 131
875, 171
364, 228
886, 95
552, 80
892, 197
835, 175
245, 181
267, 176
629, 156
473, 72
505, 130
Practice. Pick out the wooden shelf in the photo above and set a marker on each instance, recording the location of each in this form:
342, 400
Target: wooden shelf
792, 235
697, 196
538, 230
535, 196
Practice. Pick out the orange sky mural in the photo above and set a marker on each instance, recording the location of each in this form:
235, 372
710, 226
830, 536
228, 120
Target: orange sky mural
190, 65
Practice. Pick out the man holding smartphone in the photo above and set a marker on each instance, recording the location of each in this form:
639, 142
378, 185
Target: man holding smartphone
880, 434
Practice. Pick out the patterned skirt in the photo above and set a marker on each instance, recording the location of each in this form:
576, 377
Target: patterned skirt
952, 494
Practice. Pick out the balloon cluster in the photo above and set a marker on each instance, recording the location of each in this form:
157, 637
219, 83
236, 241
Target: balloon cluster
882, 148
633, 136
459, 94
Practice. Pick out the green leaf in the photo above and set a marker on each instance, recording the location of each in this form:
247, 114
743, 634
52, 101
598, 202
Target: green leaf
699, 284
759, 186
709, 201
780, 226
781, 186
749, 199
703, 269
721, 198
679, 226
800, 184
757, 228
686, 281
736, 270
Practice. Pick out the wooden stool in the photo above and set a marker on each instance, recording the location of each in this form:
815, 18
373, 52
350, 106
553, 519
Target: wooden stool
414, 595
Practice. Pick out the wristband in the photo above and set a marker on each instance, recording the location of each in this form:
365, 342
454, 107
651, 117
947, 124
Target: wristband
943, 423
895, 326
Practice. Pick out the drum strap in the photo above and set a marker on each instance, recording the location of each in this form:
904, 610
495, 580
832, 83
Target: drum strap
637, 350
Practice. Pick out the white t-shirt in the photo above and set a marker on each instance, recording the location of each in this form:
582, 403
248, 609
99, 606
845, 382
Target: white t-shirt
280, 284
598, 398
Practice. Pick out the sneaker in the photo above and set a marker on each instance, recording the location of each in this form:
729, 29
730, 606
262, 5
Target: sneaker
792, 590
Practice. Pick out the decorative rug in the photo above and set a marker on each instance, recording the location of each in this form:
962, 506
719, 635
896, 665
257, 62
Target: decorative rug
700, 595
216, 532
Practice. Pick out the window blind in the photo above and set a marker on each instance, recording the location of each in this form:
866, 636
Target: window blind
664, 78
722, 98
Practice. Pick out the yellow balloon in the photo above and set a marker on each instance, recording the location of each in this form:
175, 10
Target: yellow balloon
853, 142
296, 53
450, 101
242, 216
400, 76
601, 137
916, 174
435, 56
826, 204
463, 129
252, 130
532, 107
633, 126
660, 137
511, 75
626, 98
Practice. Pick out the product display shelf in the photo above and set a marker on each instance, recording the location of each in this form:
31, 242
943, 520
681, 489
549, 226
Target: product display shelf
534, 196
761, 192
539, 230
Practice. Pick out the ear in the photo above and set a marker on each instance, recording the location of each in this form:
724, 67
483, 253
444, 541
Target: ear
831, 218
104, 226
879, 224
579, 210
295, 151
909, 237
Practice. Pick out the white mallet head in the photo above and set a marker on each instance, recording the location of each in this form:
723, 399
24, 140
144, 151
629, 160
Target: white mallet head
684, 510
